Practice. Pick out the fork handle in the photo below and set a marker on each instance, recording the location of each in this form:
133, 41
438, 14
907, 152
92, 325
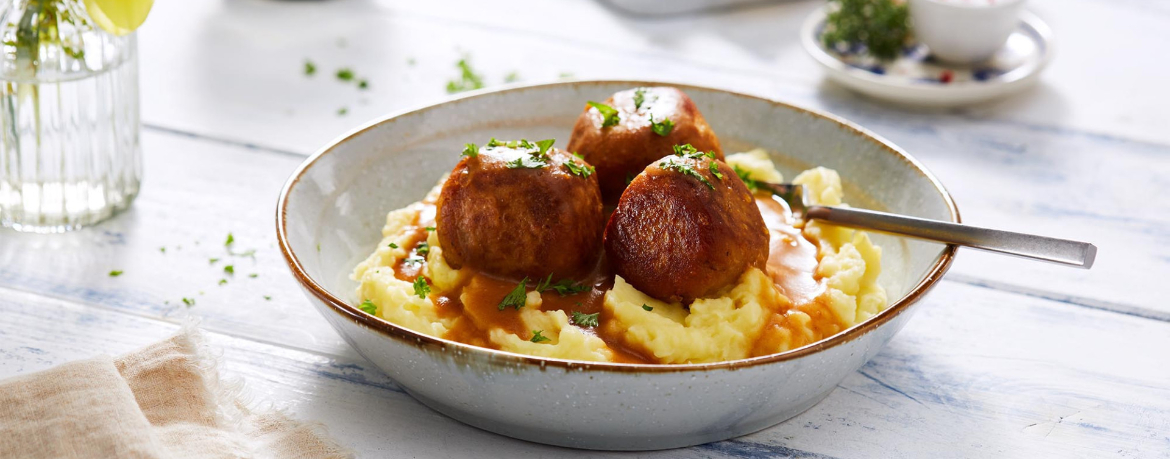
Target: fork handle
1053, 250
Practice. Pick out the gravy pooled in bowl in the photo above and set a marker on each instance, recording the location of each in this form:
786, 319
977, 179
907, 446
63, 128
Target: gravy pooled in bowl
788, 284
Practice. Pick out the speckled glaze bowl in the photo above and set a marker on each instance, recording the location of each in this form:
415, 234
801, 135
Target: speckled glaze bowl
331, 211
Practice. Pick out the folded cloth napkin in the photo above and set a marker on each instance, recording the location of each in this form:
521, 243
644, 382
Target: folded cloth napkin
163, 401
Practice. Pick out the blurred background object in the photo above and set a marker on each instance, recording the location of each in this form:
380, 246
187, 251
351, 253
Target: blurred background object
69, 153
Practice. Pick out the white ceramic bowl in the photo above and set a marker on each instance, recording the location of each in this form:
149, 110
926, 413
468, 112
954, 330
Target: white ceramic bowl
964, 31
331, 211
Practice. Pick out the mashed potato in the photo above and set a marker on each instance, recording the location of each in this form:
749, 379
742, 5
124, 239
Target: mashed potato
748, 319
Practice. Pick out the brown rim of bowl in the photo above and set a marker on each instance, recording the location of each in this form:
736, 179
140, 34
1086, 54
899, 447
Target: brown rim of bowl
411, 337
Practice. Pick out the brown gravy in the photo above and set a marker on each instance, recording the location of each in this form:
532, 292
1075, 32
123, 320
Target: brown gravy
791, 264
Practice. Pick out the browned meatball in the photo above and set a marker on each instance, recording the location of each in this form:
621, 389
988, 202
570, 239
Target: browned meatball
620, 151
514, 210
682, 232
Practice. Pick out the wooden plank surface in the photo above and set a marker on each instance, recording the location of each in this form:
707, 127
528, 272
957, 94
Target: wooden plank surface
978, 373
1005, 359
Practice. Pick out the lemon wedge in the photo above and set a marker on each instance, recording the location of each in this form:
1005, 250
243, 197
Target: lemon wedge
119, 17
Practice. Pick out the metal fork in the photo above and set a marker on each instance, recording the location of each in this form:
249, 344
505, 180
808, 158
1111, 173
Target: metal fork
1052, 250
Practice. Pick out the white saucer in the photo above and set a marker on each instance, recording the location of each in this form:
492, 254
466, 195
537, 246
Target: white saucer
917, 78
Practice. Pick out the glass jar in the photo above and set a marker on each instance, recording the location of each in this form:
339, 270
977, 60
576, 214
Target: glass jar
69, 151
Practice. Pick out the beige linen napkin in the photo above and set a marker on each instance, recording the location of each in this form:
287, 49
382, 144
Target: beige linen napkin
163, 401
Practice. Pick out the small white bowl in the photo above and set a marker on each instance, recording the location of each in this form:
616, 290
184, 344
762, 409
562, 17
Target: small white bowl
964, 31
331, 211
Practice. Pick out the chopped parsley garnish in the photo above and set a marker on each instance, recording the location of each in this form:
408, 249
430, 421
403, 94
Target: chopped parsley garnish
585, 320
661, 128
115, 273
230, 269
222, 281
527, 162
468, 79
393, 245
423, 249
189, 301
689, 152
414, 260
267, 298
746, 176
544, 145
564, 75
537, 336
516, 297
368, 306
162, 249
470, 150
310, 67
564, 287
429, 228
213, 261
512, 77
648, 308
342, 111
421, 288
230, 239
688, 170
363, 84
714, 168
639, 97
345, 74
253, 275
609, 114
580, 170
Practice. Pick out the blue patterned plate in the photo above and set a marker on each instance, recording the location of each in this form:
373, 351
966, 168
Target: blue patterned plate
915, 77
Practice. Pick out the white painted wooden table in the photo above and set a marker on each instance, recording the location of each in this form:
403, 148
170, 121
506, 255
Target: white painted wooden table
1006, 358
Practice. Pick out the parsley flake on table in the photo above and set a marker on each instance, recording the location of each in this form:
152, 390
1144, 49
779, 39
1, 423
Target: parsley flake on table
213, 261
230, 269
162, 249
115, 273
661, 128
585, 320
363, 84
368, 306
648, 308
421, 288
310, 67
746, 176
512, 77
253, 275
345, 74
470, 150
230, 239
467, 80
537, 336
342, 111
516, 297
609, 114
688, 170
189, 301
267, 298
222, 281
